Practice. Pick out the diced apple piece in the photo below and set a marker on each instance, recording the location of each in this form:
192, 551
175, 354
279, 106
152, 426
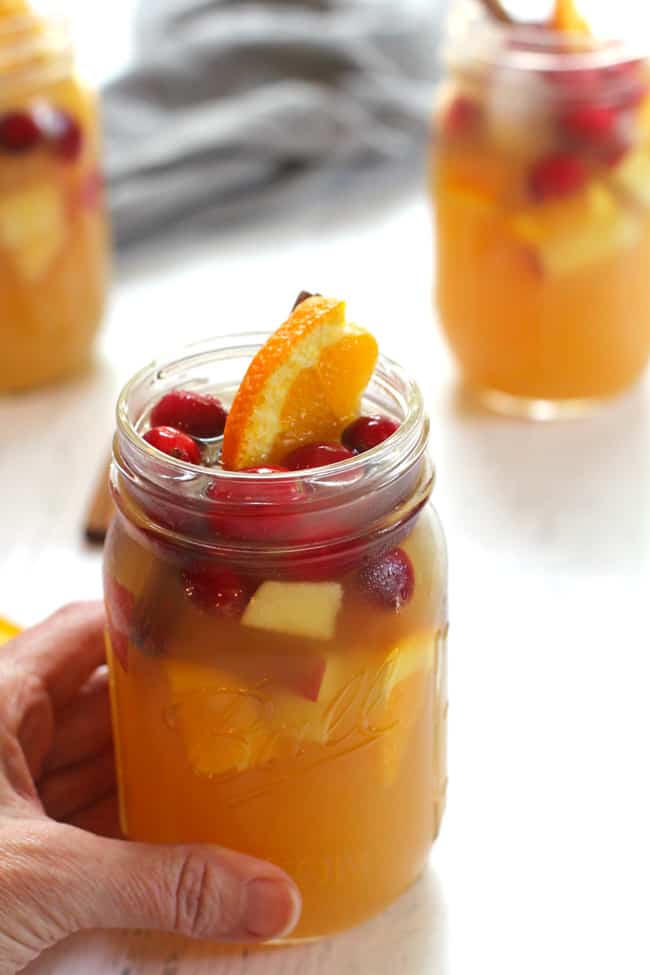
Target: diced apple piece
403, 691
302, 609
32, 228
568, 235
299, 673
632, 176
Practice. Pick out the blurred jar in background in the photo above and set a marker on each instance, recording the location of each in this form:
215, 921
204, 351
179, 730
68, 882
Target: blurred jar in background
541, 181
53, 230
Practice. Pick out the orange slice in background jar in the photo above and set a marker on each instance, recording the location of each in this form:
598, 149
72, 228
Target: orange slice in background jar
7, 630
304, 385
566, 18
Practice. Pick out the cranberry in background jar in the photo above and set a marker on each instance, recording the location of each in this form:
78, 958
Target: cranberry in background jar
541, 186
54, 248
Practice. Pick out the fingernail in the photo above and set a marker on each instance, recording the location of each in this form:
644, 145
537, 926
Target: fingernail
272, 907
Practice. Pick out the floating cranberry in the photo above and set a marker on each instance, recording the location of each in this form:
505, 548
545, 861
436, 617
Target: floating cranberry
461, 115
91, 190
557, 176
367, 432
19, 132
219, 591
175, 443
198, 414
64, 135
578, 83
593, 124
316, 455
389, 580
256, 510
119, 612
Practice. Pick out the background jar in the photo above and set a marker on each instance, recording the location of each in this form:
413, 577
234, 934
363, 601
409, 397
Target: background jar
54, 250
541, 186
315, 736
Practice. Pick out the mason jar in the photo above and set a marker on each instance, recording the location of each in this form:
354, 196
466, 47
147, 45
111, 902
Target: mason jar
541, 186
53, 229
277, 648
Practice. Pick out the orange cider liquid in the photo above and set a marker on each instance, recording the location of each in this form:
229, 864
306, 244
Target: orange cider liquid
541, 184
325, 756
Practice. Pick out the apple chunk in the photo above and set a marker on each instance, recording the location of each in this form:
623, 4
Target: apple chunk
303, 609
569, 235
32, 228
632, 176
299, 673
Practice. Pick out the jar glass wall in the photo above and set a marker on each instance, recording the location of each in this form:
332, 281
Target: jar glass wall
53, 231
541, 185
301, 718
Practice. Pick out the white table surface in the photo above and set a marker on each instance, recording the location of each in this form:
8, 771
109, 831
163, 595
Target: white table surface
543, 864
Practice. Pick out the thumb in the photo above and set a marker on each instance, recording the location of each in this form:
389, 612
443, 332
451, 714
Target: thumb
199, 891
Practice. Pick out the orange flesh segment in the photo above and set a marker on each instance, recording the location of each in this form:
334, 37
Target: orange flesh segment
566, 18
7, 631
303, 386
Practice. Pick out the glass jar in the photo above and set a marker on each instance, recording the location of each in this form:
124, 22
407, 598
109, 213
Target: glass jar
541, 186
268, 692
53, 230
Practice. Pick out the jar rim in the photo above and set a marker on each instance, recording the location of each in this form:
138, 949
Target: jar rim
479, 39
378, 472
19, 53
245, 341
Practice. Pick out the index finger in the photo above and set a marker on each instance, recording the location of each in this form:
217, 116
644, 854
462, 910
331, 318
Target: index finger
63, 650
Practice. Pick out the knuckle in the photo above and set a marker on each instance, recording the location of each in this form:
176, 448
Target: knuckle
201, 910
71, 612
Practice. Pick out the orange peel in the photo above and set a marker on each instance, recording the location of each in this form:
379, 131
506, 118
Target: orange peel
303, 386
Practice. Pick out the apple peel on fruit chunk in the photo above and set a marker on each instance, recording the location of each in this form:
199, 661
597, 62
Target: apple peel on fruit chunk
568, 235
32, 228
301, 609
632, 177
303, 386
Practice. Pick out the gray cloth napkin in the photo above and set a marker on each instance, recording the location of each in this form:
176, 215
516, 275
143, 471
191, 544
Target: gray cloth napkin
233, 108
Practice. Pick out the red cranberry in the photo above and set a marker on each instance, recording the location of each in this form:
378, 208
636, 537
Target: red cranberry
194, 413
461, 115
19, 132
260, 510
175, 443
218, 591
593, 124
367, 432
557, 176
389, 580
316, 455
579, 83
120, 605
625, 82
65, 136
91, 190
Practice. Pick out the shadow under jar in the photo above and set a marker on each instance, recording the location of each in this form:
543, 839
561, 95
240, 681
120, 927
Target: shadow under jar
541, 187
273, 691
54, 251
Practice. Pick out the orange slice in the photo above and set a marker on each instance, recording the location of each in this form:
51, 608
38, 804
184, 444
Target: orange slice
566, 18
303, 386
7, 631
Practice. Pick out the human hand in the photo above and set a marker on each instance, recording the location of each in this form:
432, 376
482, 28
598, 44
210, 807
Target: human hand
57, 782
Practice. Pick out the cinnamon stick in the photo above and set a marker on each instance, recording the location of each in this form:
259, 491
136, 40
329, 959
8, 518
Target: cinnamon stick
100, 509
495, 10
